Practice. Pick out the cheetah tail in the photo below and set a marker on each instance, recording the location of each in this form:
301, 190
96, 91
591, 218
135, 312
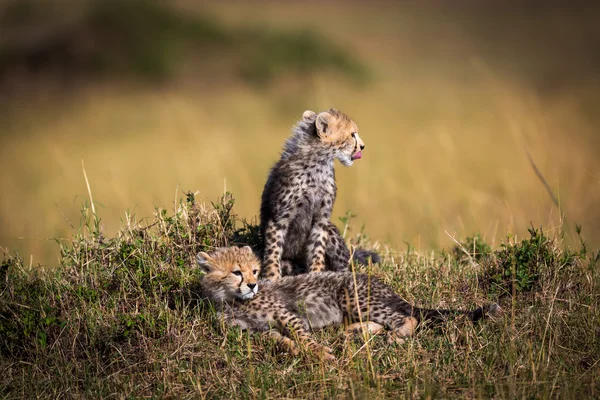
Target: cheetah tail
361, 256
439, 315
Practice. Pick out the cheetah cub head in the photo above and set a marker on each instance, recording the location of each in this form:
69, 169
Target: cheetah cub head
338, 132
231, 273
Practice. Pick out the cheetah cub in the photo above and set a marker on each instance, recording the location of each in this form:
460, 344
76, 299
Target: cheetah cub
298, 198
289, 308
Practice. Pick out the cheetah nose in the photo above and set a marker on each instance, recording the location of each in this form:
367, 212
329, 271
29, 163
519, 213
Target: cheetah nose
362, 146
251, 286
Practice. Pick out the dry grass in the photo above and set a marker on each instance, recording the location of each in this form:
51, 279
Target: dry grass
120, 318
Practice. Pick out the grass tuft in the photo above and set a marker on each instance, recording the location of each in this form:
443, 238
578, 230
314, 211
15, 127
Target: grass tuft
531, 265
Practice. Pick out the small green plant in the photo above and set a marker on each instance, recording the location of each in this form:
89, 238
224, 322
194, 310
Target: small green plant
473, 248
519, 267
345, 220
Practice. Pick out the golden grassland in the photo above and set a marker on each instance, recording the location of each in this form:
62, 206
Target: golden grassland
452, 107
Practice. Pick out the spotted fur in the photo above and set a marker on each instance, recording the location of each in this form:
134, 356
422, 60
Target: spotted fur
299, 194
230, 273
289, 308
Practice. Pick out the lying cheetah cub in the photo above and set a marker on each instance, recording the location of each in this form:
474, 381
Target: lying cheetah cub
292, 306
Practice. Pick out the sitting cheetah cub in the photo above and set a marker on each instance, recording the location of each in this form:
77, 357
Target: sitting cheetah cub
292, 306
298, 198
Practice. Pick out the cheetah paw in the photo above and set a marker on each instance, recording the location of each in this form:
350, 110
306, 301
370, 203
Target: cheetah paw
324, 352
391, 339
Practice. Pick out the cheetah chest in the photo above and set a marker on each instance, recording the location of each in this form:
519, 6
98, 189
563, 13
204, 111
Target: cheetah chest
318, 189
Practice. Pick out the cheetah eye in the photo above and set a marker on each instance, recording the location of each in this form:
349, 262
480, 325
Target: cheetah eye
354, 135
255, 272
237, 273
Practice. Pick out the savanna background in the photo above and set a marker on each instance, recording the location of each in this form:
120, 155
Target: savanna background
124, 125
199, 96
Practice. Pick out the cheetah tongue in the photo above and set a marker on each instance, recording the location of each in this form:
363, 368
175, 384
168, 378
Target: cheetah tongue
357, 155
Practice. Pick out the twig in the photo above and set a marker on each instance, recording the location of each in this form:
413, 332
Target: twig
473, 262
549, 190
541, 177
88, 188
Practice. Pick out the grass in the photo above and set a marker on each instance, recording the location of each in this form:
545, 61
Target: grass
447, 115
120, 317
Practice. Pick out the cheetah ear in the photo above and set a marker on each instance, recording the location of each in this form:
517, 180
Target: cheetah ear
322, 123
309, 116
247, 249
204, 261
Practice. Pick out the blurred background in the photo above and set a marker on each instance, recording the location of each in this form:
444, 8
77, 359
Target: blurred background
159, 98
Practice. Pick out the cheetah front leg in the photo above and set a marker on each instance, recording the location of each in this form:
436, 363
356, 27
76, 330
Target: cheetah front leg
274, 240
285, 342
290, 324
317, 244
